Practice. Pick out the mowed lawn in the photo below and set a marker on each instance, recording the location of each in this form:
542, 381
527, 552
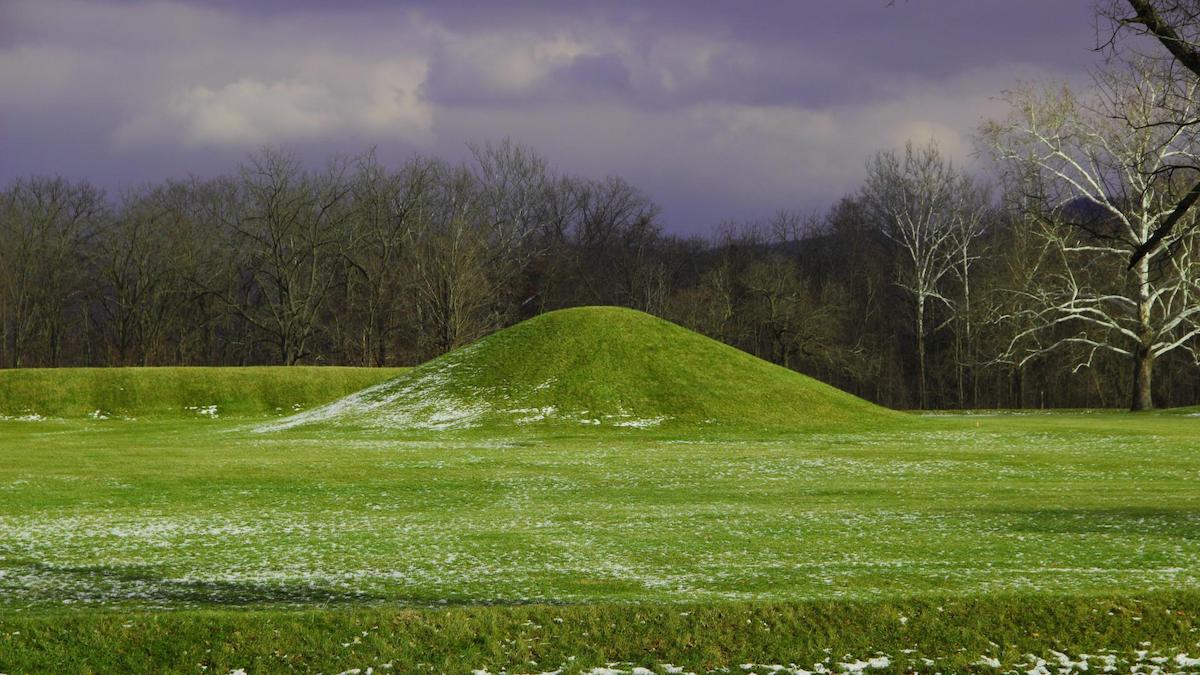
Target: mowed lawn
126, 518
196, 511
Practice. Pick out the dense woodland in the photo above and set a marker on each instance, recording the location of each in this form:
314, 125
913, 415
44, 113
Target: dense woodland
1065, 275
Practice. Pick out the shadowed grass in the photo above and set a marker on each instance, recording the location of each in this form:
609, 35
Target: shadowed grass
952, 632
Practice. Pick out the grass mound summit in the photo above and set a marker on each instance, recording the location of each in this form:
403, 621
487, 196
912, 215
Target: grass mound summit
595, 367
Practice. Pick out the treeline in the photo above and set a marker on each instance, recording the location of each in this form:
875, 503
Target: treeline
913, 292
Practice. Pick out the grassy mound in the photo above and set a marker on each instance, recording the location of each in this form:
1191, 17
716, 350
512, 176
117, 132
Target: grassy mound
207, 392
597, 367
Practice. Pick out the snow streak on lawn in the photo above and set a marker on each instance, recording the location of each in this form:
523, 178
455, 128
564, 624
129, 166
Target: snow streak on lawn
251, 519
1146, 662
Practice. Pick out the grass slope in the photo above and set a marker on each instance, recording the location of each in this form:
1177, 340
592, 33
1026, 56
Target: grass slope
599, 366
946, 635
146, 392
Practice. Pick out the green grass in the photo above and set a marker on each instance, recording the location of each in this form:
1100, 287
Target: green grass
163, 535
953, 633
188, 392
606, 367
270, 544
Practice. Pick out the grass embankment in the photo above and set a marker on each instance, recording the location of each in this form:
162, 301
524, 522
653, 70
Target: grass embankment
948, 635
156, 392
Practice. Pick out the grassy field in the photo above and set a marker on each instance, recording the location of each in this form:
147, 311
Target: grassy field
591, 491
207, 545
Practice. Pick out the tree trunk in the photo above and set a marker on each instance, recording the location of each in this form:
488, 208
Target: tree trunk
922, 397
1143, 355
1143, 370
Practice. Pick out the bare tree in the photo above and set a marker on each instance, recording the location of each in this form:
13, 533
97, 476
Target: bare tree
282, 225
44, 226
377, 250
136, 265
1175, 26
517, 203
913, 201
615, 230
455, 294
1098, 191
970, 205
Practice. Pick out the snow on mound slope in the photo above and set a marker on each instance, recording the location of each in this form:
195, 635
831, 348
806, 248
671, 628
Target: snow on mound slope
594, 366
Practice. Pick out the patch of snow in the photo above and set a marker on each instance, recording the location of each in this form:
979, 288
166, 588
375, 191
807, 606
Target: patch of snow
857, 666
531, 415
209, 411
27, 417
641, 423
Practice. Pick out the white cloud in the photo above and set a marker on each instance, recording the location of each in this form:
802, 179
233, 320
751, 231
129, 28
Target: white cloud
381, 100
249, 111
174, 74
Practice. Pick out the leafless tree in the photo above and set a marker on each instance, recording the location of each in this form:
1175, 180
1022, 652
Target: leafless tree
1098, 191
517, 204
45, 224
282, 225
969, 209
913, 199
615, 229
1174, 26
456, 296
137, 266
377, 250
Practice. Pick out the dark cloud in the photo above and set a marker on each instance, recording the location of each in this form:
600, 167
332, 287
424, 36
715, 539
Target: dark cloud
721, 110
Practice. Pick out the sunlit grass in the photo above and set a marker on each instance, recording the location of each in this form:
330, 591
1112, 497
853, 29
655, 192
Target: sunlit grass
168, 542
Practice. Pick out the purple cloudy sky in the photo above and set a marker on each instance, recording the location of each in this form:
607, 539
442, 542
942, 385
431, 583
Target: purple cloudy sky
720, 110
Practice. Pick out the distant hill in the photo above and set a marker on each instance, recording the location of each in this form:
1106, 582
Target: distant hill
604, 367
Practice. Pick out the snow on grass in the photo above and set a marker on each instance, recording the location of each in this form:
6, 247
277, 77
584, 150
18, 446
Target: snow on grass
25, 417
641, 423
430, 400
531, 415
209, 411
858, 666
335, 515
420, 402
1052, 663
432, 532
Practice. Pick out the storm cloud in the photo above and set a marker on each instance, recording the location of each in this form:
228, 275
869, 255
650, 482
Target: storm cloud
719, 110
